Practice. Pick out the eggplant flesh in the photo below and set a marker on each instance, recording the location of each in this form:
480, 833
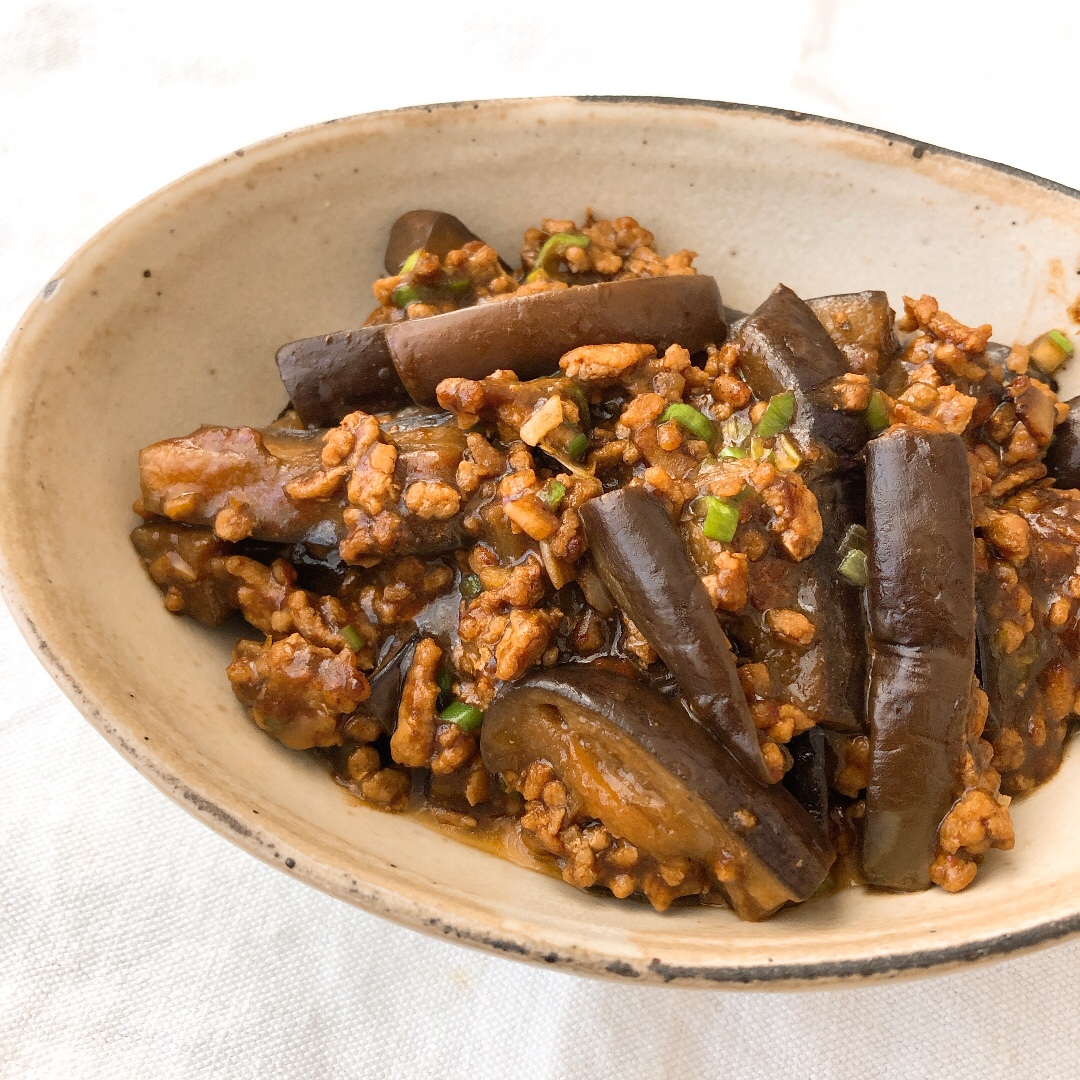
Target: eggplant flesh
193, 478
528, 334
638, 763
862, 326
783, 346
1063, 456
637, 550
921, 606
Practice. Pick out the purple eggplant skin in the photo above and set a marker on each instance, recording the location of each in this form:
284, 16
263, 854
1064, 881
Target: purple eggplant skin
386, 684
808, 777
692, 796
1063, 456
433, 231
637, 550
329, 376
921, 606
528, 334
782, 346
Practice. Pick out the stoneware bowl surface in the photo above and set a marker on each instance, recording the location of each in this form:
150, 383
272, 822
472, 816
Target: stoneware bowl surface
170, 317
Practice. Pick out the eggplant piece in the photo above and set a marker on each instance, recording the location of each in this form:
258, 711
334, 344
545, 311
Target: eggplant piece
862, 326
782, 346
194, 478
638, 763
808, 777
187, 564
433, 231
331, 375
1063, 456
1031, 683
825, 679
640, 557
921, 604
528, 334
386, 684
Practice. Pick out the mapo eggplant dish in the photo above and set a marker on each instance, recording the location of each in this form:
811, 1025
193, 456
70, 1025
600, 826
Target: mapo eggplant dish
670, 601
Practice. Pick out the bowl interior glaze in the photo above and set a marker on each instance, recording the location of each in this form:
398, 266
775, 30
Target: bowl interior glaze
170, 317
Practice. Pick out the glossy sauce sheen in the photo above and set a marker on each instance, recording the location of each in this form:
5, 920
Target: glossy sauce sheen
921, 600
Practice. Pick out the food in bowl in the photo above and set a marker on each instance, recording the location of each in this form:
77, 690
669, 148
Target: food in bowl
667, 600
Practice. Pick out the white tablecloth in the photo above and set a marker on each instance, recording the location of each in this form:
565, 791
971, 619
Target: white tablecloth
135, 943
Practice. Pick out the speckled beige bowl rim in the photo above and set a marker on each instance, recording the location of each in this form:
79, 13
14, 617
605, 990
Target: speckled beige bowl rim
428, 917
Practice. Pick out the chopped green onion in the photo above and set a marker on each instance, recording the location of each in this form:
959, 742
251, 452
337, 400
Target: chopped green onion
733, 452
445, 681
721, 519
735, 430
686, 416
471, 586
458, 286
467, 717
554, 247
1050, 350
410, 263
853, 568
1061, 341
352, 638
576, 447
404, 295
758, 450
876, 415
777, 415
581, 401
786, 454
554, 492
855, 539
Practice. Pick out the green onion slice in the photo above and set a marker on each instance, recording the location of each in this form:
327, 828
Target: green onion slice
471, 586
554, 247
554, 492
576, 447
733, 452
687, 417
352, 638
1061, 341
467, 717
410, 263
876, 415
721, 519
853, 568
404, 295
777, 416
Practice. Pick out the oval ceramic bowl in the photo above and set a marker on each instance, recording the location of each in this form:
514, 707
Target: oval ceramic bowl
170, 318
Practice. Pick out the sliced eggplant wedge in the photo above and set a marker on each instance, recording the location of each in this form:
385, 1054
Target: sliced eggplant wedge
195, 478
635, 761
329, 376
782, 346
433, 231
637, 550
528, 334
921, 603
